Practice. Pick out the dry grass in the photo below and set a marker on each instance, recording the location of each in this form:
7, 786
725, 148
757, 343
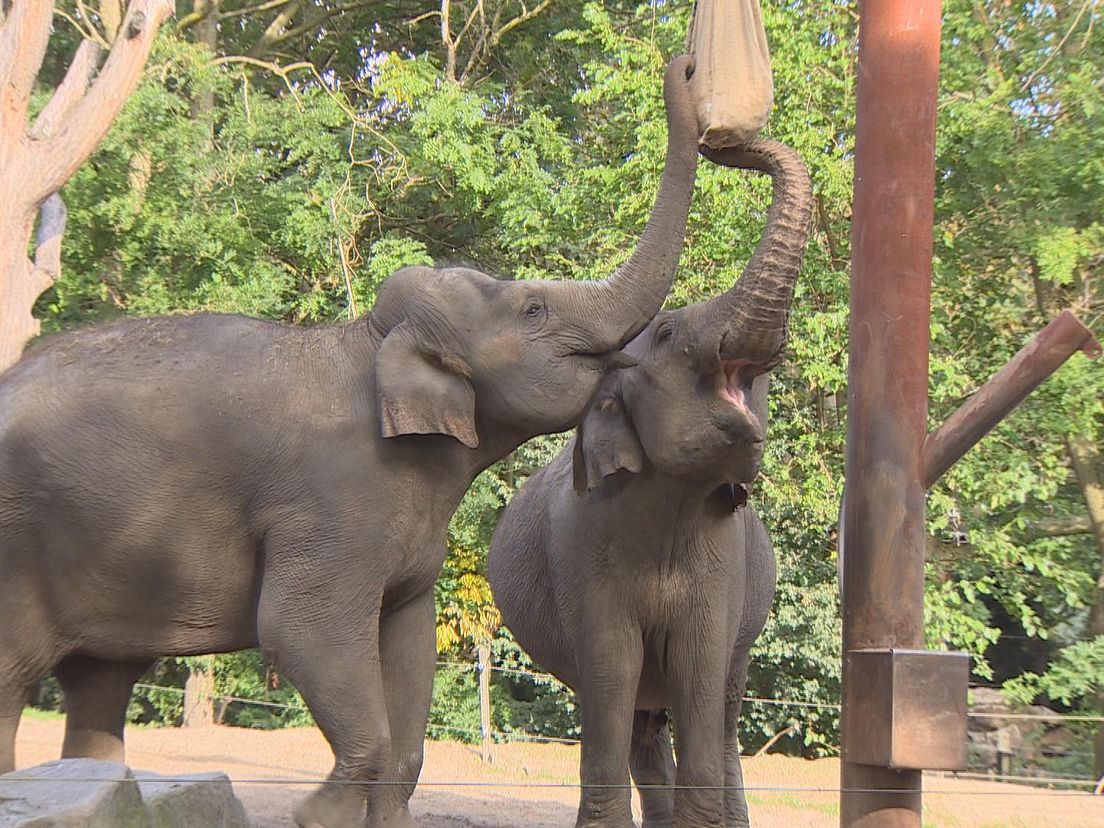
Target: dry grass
534, 785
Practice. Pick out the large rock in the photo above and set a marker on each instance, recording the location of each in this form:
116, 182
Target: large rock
72, 793
200, 799
87, 793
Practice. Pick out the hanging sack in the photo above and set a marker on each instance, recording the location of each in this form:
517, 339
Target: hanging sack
732, 86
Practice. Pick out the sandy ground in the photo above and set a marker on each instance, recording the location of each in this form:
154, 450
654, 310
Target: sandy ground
533, 786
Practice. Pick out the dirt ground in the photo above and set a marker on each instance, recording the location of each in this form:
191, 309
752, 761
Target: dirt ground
533, 786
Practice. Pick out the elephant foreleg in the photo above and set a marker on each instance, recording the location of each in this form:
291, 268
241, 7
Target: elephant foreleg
736, 807
609, 661
331, 655
653, 767
699, 735
408, 654
97, 693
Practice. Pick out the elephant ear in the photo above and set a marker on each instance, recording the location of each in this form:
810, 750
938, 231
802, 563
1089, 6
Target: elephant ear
421, 391
605, 443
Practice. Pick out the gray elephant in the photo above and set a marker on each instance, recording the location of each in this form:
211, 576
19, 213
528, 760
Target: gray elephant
207, 483
632, 567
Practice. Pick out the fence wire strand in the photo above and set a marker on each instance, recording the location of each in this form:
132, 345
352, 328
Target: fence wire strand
468, 783
516, 736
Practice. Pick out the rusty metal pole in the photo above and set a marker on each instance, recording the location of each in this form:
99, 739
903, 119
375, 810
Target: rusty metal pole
883, 597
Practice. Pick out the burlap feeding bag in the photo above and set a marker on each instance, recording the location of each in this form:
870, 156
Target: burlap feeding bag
732, 85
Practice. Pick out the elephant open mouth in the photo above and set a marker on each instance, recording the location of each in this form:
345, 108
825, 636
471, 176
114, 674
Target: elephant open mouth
737, 376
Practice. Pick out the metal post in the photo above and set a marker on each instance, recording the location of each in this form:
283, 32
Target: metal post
883, 597
484, 670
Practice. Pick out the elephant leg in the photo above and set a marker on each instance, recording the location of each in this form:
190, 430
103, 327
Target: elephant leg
331, 655
96, 696
12, 699
609, 660
653, 766
699, 731
736, 807
408, 654
29, 648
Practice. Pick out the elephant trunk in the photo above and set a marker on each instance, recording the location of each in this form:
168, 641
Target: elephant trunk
754, 314
607, 314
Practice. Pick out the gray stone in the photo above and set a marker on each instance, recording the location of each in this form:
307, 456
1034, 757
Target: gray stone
72, 793
200, 799
88, 793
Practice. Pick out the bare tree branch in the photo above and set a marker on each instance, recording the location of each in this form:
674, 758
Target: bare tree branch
1057, 49
111, 15
447, 40
71, 89
492, 35
51, 227
247, 10
1062, 527
276, 27
22, 47
91, 117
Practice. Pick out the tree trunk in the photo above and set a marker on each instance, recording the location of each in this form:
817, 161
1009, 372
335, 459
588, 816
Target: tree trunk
37, 158
206, 33
199, 696
1086, 466
19, 288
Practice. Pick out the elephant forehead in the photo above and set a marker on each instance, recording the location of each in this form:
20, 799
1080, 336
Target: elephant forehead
464, 281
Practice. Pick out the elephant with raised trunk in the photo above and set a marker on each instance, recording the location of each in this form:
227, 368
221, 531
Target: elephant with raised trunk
632, 566
206, 483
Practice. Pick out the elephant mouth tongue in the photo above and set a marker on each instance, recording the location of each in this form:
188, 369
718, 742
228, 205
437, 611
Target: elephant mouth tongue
737, 376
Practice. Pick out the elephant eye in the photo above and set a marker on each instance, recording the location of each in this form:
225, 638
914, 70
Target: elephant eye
664, 333
533, 310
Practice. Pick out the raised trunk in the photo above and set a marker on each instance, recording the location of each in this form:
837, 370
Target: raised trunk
611, 312
754, 313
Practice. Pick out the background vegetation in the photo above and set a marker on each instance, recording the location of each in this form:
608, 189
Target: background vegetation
281, 158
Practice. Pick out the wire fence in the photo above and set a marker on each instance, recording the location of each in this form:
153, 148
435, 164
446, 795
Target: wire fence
488, 731
519, 784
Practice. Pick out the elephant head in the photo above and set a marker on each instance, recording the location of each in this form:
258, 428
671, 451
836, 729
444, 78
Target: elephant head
459, 350
695, 402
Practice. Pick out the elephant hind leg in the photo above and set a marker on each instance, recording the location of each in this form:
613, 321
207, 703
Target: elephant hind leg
11, 707
407, 661
97, 693
653, 766
22, 664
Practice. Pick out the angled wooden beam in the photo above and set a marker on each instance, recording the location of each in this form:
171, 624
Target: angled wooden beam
1006, 389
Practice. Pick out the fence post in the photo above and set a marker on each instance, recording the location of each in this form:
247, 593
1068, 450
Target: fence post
484, 670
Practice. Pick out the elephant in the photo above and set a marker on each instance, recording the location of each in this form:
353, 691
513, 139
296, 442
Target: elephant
632, 566
206, 483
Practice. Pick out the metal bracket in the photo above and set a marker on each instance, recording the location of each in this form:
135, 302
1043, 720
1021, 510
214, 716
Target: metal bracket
907, 709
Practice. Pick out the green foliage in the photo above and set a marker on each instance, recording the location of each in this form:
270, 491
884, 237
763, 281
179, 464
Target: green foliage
455, 711
531, 702
1074, 677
